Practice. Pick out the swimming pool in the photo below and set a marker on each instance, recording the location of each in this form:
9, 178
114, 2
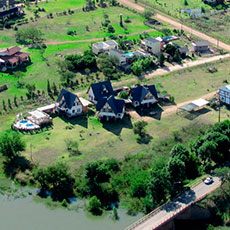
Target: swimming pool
23, 121
129, 54
30, 125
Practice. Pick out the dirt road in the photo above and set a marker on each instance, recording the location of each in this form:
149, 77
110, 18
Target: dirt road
179, 25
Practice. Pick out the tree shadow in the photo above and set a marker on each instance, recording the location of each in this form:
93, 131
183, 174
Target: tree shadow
19, 164
116, 127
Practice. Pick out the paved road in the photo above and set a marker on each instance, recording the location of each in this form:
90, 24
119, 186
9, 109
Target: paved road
171, 209
178, 25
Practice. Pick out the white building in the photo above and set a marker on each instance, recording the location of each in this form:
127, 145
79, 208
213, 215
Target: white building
119, 57
110, 108
99, 90
143, 95
69, 104
153, 45
224, 93
104, 47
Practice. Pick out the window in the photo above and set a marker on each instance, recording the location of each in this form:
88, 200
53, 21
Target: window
74, 104
73, 111
78, 110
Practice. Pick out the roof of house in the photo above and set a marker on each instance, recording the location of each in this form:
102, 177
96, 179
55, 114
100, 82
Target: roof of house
139, 92
116, 105
9, 11
201, 43
183, 49
68, 96
106, 44
11, 50
117, 51
4, 3
227, 87
102, 89
154, 40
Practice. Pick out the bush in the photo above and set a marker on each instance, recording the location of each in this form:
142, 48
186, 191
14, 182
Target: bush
72, 146
94, 206
123, 95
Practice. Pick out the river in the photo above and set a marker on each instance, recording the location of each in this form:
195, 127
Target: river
25, 214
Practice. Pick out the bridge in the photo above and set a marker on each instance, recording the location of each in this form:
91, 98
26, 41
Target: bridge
161, 216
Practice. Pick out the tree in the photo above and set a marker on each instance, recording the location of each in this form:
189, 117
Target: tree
160, 184
15, 101
29, 36
206, 151
111, 29
4, 105
148, 14
161, 59
48, 87
137, 68
115, 213
177, 56
57, 180
123, 95
55, 90
139, 128
9, 103
176, 169
185, 2
11, 144
94, 206
190, 160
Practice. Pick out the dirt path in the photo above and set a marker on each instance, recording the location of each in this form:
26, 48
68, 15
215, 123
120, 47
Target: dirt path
179, 25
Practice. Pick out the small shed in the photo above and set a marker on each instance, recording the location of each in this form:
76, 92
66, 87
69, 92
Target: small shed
85, 103
193, 106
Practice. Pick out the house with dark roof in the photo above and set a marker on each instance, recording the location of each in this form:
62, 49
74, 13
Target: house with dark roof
69, 104
201, 46
110, 108
12, 57
100, 90
143, 95
8, 9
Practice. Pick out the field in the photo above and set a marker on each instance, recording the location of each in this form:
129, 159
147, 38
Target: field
173, 7
56, 29
117, 139
216, 26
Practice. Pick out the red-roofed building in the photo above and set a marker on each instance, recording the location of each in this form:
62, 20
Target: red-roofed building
12, 57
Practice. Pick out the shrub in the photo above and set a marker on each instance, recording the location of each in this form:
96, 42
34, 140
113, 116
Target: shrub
94, 206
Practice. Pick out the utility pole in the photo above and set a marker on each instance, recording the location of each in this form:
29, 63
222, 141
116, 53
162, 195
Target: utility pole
219, 107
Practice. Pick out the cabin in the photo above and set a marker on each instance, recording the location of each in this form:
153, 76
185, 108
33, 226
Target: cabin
153, 45
224, 93
69, 104
12, 57
200, 46
100, 90
8, 9
104, 47
110, 108
143, 95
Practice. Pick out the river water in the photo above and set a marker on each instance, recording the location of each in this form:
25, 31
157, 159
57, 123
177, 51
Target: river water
25, 214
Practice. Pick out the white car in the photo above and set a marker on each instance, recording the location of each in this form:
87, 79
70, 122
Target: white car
208, 180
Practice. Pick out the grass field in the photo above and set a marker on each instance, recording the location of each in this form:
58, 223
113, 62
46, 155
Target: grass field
173, 7
56, 29
117, 139
216, 26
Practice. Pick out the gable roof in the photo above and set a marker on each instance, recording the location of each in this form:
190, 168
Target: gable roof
139, 92
68, 96
225, 88
116, 105
202, 43
153, 40
102, 89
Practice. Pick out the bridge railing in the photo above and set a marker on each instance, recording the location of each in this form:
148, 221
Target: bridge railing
157, 210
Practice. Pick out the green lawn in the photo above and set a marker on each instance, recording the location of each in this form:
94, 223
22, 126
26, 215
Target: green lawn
117, 139
52, 6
